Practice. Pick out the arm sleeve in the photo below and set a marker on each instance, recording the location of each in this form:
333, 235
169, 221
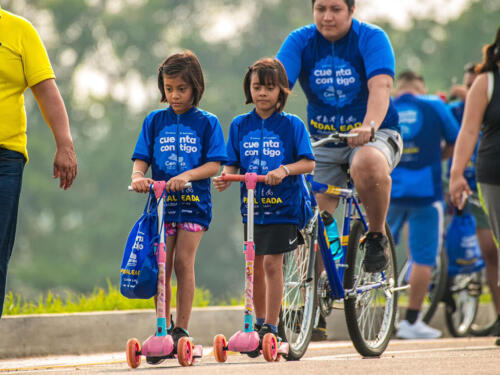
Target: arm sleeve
144, 146
36, 62
302, 141
215, 145
449, 125
377, 52
290, 55
233, 146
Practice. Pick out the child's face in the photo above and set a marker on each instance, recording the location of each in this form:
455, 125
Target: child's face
179, 93
265, 97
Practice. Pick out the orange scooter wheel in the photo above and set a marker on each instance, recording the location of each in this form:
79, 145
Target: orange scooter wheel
270, 347
220, 345
185, 351
133, 353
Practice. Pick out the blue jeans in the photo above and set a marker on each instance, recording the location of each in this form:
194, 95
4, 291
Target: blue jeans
11, 174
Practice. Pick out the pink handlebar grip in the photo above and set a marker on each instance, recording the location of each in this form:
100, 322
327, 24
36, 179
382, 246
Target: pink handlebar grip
158, 187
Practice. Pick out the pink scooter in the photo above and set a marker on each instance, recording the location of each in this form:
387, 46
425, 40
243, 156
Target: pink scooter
247, 341
161, 345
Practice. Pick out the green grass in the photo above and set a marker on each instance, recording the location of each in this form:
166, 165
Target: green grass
99, 300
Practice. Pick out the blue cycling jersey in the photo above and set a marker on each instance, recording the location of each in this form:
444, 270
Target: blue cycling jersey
259, 146
457, 108
173, 144
424, 122
334, 76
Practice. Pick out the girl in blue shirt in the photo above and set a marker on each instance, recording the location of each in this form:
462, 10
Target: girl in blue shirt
181, 144
270, 142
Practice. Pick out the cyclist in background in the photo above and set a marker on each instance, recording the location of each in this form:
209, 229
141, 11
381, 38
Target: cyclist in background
346, 69
417, 192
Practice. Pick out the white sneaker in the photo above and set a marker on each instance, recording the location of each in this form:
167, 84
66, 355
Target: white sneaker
418, 330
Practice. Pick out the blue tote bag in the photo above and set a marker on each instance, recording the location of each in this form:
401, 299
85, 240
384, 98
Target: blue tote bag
139, 269
462, 247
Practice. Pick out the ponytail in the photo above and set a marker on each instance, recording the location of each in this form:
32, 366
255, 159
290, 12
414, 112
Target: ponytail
491, 56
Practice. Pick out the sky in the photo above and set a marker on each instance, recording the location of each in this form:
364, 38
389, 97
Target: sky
399, 11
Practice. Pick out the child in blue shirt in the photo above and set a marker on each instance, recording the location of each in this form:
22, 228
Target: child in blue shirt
181, 143
270, 142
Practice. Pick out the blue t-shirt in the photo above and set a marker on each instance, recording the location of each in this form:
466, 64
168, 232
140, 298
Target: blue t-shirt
457, 108
173, 144
334, 76
259, 146
424, 122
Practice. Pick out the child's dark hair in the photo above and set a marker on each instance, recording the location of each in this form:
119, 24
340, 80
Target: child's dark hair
270, 71
187, 66
491, 56
350, 3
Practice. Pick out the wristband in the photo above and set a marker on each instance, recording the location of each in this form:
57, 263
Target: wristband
287, 171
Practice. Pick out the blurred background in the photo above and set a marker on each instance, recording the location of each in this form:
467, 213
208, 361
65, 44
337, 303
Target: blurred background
106, 53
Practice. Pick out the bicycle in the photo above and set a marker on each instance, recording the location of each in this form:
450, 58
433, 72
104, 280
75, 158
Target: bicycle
370, 299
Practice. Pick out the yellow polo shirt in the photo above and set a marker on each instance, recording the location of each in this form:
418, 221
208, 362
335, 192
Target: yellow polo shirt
23, 63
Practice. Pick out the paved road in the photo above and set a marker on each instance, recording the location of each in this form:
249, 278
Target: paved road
444, 356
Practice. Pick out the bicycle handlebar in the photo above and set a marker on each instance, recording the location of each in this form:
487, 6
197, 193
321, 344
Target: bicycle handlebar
337, 137
188, 185
240, 177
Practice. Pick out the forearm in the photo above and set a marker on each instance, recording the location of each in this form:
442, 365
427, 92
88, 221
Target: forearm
230, 169
54, 112
464, 147
203, 171
140, 168
302, 166
447, 151
379, 88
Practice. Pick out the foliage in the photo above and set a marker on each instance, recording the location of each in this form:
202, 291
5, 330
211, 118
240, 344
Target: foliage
74, 240
98, 300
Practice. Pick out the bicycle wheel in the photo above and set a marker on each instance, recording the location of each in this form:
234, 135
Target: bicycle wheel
462, 301
437, 287
369, 313
299, 295
485, 318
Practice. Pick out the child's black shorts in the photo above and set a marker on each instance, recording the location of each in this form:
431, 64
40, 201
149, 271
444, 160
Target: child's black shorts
275, 238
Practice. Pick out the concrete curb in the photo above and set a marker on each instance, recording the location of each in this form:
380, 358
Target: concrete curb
97, 332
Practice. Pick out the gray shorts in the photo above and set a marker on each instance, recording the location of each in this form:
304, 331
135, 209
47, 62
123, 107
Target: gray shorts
329, 161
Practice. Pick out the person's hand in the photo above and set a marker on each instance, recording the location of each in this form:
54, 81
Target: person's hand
364, 134
177, 183
65, 166
141, 184
459, 190
220, 184
276, 176
458, 91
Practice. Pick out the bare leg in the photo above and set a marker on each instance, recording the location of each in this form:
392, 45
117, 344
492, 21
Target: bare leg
371, 175
420, 278
259, 287
489, 252
185, 252
273, 268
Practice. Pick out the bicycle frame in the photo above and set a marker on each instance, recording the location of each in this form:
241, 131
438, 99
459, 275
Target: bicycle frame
336, 273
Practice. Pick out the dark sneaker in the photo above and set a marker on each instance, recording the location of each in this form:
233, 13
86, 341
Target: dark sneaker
319, 334
154, 360
257, 327
375, 247
495, 329
177, 333
172, 325
265, 330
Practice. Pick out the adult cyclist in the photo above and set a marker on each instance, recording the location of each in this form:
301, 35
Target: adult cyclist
346, 70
